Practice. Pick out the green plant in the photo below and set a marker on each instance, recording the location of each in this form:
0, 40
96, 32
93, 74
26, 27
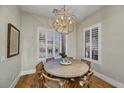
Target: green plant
63, 55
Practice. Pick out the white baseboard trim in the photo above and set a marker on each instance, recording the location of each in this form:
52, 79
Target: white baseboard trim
28, 72
109, 80
15, 81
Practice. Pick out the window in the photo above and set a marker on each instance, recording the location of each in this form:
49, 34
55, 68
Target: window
42, 44
50, 43
92, 43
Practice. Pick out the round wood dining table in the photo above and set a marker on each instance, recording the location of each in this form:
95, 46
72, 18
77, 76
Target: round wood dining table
74, 70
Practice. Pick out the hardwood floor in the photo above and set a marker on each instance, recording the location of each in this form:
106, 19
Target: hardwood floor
99, 83
27, 80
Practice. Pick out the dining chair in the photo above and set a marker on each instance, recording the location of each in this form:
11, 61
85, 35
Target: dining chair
70, 57
39, 67
52, 82
49, 59
37, 76
88, 63
86, 81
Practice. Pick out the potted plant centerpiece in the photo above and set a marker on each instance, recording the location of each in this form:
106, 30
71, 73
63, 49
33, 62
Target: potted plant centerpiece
63, 56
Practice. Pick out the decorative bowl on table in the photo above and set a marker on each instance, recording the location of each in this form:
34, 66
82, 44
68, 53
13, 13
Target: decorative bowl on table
65, 61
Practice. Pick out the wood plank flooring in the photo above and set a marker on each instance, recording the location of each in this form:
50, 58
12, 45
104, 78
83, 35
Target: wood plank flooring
27, 80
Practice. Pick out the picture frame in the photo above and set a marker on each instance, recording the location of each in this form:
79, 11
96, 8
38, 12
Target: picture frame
13, 41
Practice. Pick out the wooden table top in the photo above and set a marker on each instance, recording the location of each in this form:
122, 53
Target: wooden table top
76, 69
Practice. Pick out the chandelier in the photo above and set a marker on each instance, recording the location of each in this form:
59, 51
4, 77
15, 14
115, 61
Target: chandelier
64, 22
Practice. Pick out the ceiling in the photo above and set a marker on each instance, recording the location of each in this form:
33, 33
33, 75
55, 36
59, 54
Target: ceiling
80, 11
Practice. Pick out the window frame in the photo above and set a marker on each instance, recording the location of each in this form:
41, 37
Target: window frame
99, 43
45, 29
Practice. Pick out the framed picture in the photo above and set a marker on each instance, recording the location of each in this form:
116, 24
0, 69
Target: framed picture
13, 41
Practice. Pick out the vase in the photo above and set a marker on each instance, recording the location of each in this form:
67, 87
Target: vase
64, 60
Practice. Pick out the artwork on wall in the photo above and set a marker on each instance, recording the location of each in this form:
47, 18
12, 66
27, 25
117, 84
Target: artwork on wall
13, 41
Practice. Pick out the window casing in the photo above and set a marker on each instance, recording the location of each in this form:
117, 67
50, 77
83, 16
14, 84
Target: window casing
92, 43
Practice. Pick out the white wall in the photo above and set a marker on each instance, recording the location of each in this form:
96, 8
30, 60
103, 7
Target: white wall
112, 19
11, 67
